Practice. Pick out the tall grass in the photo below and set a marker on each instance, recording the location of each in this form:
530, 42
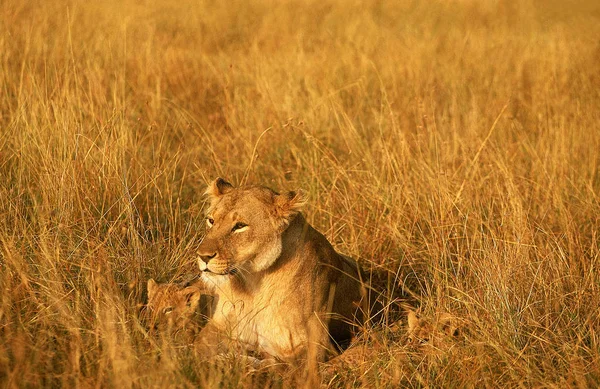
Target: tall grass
454, 143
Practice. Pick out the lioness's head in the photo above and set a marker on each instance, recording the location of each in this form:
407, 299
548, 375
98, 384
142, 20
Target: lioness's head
244, 227
171, 304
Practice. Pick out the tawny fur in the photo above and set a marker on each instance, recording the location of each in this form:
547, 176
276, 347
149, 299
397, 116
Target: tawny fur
436, 333
425, 336
280, 287
172, 305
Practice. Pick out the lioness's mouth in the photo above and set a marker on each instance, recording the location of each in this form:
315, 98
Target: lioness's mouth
217, 268
227, 272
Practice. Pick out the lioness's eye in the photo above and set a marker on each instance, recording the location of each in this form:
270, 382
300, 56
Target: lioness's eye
210, 221
168, 310
239, 226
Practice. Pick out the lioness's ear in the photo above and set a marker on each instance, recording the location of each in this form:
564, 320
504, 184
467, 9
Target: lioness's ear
218, 188
290, 203
151, 287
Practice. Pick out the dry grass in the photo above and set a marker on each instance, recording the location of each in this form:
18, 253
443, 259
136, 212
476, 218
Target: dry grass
455, 143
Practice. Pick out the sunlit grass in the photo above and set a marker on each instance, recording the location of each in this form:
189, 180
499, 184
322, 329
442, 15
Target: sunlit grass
454, 143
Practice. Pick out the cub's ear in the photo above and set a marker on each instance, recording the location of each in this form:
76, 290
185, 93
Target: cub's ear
151, 287
192, 296
413, 321
290, 203
449, 324
218, 188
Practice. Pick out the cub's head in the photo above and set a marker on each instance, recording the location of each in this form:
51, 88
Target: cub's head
171, 304
435, 334
244, 227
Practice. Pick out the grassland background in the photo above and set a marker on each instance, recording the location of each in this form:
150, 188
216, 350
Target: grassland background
454, 143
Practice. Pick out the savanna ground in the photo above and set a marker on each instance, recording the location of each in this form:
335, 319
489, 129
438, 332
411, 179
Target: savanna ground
454, 143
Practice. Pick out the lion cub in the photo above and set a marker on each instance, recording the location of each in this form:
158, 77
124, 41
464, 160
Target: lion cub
171, 304
433, 333
425, 336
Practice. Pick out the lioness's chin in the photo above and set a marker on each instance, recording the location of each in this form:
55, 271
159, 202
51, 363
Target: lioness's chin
215, 279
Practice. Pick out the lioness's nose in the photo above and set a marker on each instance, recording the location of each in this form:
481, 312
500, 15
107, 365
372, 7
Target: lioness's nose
207, 257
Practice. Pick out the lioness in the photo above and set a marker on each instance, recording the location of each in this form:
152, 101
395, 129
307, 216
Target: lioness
281, 287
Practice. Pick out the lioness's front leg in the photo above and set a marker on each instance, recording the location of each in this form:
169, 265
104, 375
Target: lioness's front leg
214, 346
